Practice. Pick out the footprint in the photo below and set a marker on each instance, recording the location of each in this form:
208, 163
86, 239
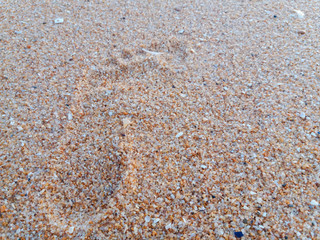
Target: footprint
94, 158
88, 165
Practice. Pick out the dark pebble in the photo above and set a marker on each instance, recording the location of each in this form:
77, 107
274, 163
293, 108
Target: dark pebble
238, 234
213, 196
274, 16
290, 205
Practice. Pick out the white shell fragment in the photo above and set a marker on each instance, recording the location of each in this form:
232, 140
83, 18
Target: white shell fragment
179, 134
126, 122
299, 13
70, 230
150, 52
58, 20
302, 115
147, 219
314, 203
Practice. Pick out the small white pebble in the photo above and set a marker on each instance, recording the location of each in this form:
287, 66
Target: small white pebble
108, 92
314, 203
302, 115
183, 95
252, 193
220, 232
313, 134
168, 226
71, 229
12, 121
259, 200
156, 220
203, 166
58, 20
69, 116
110, 113
179, 134
147, 219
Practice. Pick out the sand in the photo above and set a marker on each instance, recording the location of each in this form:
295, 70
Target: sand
159, 119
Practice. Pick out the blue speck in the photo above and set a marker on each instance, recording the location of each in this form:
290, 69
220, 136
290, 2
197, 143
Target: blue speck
238, 234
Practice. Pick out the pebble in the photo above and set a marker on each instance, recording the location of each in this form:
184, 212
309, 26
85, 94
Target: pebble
71, 229
58, 20
69, 116
238, 234
203, 166
168, 226
147, 219
179, 134
301, 32
220, 232
126, 122
156, 220
314, 203
302, 115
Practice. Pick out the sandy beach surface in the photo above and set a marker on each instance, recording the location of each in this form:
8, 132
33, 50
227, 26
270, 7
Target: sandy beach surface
159, 119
